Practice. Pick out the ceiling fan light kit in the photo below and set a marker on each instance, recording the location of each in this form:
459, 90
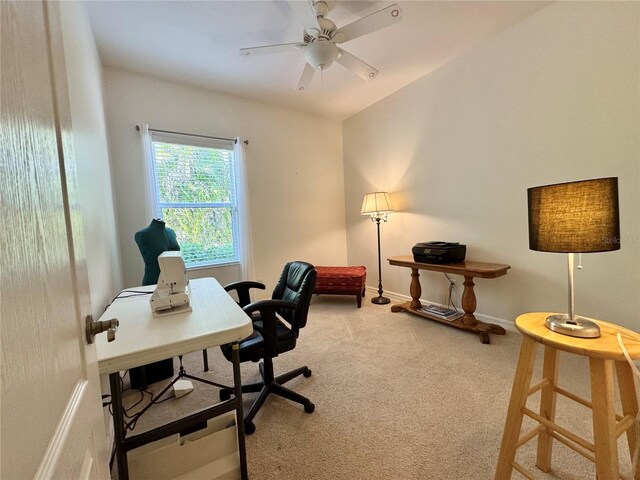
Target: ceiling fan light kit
321, 54
321, 37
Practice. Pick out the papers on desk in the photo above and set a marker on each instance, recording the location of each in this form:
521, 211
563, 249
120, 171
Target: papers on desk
441, 312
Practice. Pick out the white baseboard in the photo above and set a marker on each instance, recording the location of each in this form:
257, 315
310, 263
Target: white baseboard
398, 297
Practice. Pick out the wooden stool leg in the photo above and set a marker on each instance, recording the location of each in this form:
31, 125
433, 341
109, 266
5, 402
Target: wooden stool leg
513, 424
604, 418
629, 400
547, 408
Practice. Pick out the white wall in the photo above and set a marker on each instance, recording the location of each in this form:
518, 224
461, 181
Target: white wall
295, 170
84, 77
554, 98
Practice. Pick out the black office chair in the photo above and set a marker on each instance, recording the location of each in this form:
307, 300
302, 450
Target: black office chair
273, 336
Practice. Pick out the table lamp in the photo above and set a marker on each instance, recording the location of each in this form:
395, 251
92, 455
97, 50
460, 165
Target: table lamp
574, 217
378, 206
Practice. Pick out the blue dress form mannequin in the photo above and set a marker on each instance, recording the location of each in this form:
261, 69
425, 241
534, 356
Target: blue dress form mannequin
152, 241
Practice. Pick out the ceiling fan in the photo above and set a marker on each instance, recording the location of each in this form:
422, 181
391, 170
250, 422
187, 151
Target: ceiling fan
321, 38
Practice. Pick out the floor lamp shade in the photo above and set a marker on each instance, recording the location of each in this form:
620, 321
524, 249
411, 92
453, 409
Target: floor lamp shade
574, 217
376, 204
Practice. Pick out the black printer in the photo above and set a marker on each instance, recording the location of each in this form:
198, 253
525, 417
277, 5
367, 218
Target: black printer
439, 252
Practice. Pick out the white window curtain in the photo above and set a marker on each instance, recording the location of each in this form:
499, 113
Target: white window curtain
244, 212
151, 197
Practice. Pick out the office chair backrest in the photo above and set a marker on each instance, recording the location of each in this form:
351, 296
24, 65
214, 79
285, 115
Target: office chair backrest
296, 285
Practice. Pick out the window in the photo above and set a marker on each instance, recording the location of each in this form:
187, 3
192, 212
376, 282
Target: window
195, 193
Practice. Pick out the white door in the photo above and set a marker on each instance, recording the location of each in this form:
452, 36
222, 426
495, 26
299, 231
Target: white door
51, 415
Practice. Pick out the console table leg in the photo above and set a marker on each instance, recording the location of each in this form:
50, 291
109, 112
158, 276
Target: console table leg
415, 289
469, 302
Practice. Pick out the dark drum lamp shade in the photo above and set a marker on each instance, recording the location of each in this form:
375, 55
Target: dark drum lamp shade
574, 217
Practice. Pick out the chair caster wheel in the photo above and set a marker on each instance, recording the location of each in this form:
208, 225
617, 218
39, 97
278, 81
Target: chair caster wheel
309, 408
249, 428
225, 394
307, 373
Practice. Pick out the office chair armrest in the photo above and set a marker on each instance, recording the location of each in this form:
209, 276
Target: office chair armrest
268, 330
242, 288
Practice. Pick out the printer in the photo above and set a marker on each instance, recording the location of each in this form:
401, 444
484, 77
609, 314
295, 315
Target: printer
439, 252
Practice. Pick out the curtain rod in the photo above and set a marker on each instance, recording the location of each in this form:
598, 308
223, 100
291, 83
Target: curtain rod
246, 142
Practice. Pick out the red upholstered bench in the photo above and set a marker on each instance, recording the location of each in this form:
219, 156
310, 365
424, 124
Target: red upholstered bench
341, 281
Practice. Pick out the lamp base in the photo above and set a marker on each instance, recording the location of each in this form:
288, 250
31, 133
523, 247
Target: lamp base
580, 327
380, 300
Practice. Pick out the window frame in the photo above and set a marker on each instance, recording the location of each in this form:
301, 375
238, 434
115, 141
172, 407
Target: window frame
233, 206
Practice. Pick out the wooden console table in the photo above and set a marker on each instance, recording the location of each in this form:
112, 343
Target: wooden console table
468, 270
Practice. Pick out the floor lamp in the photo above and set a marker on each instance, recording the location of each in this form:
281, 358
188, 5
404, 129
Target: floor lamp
378, 206
574, 217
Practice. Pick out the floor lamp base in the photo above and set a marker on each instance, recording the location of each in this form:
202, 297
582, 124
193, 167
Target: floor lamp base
380, 300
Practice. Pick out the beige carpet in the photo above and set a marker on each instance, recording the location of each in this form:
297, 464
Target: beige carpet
397, 397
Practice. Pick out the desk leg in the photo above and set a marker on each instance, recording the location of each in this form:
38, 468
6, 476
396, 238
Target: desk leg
237, 385
118, 425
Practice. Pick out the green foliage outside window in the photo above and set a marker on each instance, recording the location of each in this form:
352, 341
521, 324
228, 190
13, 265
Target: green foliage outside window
196, 193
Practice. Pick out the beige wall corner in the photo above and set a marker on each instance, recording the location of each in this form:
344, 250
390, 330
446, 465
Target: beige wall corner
84, 77
553, 98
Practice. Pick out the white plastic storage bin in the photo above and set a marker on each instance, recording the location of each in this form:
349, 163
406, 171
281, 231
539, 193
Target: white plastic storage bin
208, 454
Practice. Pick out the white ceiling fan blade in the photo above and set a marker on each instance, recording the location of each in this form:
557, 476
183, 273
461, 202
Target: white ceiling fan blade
304, 13
357, 66
279, 48
305, 78
380, 19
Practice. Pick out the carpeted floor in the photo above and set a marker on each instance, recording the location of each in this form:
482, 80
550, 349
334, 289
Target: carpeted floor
397, 397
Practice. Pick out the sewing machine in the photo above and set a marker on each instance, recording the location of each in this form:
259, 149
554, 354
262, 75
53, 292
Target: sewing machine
172, 294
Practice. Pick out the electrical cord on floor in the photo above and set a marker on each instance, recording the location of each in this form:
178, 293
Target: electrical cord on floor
452, 285
125, 411
636, 425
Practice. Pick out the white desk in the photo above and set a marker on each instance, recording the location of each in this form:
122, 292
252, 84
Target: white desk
215, 320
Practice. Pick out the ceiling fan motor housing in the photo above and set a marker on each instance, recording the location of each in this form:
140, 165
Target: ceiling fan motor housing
325, 32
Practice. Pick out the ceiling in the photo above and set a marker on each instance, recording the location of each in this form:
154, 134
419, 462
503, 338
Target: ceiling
197, 43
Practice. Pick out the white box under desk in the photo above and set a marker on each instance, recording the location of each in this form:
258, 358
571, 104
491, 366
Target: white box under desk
208, 454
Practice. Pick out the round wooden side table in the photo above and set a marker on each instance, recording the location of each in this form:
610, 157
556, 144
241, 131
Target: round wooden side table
604, 355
